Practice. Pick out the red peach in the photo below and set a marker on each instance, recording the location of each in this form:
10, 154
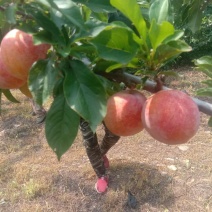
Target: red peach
171, 117
19, 52
124, 109
6, 80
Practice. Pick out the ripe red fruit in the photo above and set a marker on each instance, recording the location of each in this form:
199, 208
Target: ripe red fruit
6, 80
171, 117
19, 53
124, 109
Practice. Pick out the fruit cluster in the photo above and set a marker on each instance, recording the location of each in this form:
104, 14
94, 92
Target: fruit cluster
169, 116
17, 54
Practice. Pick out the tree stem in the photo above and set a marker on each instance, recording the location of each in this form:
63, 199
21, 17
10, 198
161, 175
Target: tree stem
203, 106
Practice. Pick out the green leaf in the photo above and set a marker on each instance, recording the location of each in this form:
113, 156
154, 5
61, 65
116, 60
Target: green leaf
97, 6
159, 32
58, 88
70, 10
210, 122
113, 67
116, 43
204, 60
175, 36
52, 33
205, 68
208, 82
101, 65
204, 64
194, 15
131, 10
110, 87
9, 95
61, 126
204, 92
159, 11
79, 51
10, 13
42, 79
58, 18
93, 28
170, 50
84, 93
100, 16
86, 13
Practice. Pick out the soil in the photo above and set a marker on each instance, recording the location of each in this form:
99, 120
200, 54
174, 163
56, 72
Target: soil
159, 177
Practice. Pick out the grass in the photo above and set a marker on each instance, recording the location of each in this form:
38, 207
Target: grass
162, 178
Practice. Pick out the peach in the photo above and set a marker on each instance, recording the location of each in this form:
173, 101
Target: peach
6, 80
19, 52
124, 109
171, 117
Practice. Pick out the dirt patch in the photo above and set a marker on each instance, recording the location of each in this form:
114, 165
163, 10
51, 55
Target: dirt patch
159, 177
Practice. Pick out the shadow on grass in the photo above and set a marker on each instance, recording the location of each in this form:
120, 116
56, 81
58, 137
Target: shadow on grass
146, 182
148, 185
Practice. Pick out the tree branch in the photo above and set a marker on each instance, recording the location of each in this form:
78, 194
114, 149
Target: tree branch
150, 86
203, 106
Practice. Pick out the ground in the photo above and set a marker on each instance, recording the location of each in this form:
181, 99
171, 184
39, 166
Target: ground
161, 178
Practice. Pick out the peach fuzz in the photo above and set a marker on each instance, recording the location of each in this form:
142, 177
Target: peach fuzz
124, 109
171, 117
19, 52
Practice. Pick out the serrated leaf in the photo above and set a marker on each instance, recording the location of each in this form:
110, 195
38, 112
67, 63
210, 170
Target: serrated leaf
131, 10
159, 11
116, 43
9, 95
159, 32
42, 79
61, 126
84, 93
